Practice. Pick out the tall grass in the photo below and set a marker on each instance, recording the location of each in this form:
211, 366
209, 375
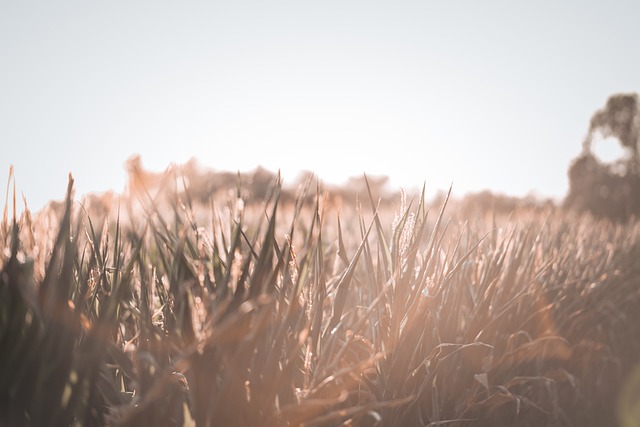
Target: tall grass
247, 313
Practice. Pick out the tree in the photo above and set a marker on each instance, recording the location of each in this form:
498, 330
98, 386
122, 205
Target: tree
609, 190
620, 118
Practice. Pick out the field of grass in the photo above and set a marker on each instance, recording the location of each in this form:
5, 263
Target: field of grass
296, 311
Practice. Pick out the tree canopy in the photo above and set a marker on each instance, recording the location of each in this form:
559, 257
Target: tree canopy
620, 119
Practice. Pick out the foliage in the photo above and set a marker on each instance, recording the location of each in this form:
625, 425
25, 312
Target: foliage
620, 118
606, 191
609, 190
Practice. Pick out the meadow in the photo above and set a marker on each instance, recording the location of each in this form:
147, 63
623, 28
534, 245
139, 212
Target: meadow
287, 308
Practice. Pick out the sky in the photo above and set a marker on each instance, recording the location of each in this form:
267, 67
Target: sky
482, 95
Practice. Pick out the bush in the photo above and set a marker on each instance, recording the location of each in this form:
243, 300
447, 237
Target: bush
609, 191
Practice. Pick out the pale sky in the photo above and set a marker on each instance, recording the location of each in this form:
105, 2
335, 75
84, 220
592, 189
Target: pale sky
482, 94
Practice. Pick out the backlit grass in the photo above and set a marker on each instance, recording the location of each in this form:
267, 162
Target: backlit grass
284, 312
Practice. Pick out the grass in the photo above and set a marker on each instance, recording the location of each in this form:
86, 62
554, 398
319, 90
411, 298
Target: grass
286, 312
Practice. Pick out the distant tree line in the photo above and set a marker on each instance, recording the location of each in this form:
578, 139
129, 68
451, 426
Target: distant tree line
203, 184
605, 189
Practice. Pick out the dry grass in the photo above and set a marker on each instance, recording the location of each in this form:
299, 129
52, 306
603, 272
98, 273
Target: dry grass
277, 313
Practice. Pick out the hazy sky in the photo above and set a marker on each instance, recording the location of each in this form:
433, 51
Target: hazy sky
484, 94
